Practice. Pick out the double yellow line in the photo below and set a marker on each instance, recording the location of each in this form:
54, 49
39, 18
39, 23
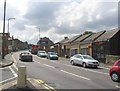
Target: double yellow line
45, 85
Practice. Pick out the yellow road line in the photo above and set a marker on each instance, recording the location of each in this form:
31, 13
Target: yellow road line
45, 85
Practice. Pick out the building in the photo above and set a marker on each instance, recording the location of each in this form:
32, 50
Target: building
70, 47
107, 44
86, 44
19, 45
45, 43
59, 47
97, 45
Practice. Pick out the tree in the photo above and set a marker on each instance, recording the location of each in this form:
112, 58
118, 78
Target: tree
87, 32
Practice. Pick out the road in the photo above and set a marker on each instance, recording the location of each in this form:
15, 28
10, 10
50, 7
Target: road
60, 74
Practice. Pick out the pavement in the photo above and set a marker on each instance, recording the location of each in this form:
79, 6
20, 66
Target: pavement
7, 61
31, 85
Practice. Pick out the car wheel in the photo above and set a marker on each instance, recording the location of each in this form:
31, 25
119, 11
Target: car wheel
84, 65
72, 62
115, 77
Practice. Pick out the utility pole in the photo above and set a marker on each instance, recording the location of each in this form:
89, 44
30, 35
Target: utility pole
8, 23
39, 32
3, 37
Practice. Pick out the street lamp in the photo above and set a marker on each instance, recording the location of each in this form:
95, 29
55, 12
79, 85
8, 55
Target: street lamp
8, 23
39, 32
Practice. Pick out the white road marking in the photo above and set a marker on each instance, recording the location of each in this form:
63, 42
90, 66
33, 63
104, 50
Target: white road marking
75, 75
117, 86
49, 66
15, 67
13, 72
53, 61
37, 62
7, 80
104, 67
81, 68
4, 68
88, 69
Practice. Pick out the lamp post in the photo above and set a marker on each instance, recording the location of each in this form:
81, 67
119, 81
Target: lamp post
39, 32
3, 37
8, 23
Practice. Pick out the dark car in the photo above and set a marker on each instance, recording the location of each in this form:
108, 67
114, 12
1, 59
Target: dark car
52, 56
115, 71
25, 56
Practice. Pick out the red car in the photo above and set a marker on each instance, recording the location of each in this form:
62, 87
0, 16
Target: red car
115, 71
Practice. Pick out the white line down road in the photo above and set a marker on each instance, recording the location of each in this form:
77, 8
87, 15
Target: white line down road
76, 75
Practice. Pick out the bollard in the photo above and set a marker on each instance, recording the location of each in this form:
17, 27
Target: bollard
22, 79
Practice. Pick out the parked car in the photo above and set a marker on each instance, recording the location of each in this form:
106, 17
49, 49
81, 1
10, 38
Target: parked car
84, 60
114, 71
42, 54
26, 56
52, 55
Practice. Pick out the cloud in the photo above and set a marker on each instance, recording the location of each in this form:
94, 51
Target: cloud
42, 14
59, 19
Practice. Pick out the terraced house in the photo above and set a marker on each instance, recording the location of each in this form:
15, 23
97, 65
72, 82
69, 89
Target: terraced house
107, 44
97, 45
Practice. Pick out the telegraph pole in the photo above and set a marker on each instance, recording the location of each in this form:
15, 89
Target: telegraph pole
39, 32
3, 37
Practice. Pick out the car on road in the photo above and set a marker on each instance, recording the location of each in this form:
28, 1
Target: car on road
114, 71
84, 60
52, 56
42, 54
26, 56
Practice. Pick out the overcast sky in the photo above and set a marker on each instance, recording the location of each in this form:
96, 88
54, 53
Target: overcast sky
58, 18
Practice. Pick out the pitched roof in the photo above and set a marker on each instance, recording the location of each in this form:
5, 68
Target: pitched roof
64, 40
93, 37
72, 39
107, 35
80, 39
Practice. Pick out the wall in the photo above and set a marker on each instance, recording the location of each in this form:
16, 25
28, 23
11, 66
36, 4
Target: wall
86, 48
110, 59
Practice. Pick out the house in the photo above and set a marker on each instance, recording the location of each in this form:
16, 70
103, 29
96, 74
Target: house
45, 43
19, 45
74, 45
107, 44
86, 44
59, 47
71, 48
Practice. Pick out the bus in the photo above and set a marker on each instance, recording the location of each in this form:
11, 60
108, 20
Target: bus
34, 49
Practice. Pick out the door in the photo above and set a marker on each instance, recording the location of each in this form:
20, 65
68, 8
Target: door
79, 59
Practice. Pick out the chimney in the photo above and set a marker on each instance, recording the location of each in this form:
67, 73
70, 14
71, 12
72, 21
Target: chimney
65, 37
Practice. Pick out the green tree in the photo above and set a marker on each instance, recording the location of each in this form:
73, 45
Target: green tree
87, 32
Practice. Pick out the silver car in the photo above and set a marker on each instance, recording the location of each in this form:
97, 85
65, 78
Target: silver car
84, 60
42, 54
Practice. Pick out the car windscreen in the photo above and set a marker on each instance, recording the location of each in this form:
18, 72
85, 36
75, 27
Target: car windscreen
53, 53
87, 57
42, 52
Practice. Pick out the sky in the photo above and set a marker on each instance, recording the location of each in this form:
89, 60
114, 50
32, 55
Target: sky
57, 18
